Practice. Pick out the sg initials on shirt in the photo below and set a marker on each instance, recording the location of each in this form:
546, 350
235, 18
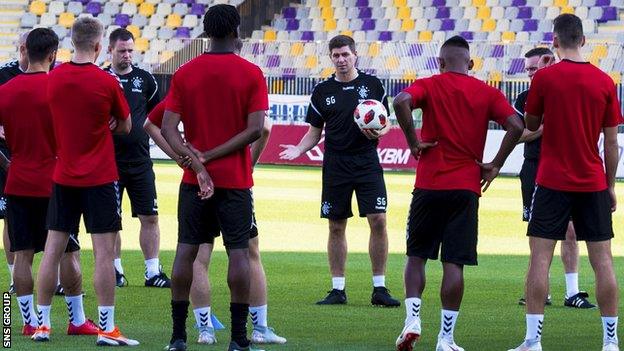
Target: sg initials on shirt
330, 100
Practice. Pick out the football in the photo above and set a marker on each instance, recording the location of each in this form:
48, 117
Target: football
370, 114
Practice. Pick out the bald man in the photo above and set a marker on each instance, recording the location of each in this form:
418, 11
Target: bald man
444, 209
8, 71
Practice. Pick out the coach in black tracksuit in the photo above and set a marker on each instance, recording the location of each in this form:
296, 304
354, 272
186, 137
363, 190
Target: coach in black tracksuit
136, 174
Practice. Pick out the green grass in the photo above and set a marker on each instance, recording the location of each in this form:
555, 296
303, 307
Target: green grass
293, 241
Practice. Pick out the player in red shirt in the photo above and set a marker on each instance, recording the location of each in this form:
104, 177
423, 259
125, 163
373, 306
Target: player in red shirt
25, 116
221, 99
200, 288
85, 174
456, 111
575, 101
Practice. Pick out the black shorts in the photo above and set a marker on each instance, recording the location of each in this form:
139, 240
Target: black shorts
26, 221
139, 179
344, 174
100, 205
228, 211
443, 217
3, 178
528, 174
552, 210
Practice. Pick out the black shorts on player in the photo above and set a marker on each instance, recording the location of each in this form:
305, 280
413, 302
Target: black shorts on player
552, 209
344, 174
100, 205
26, 220
228, 211
528, 173
447, 218
139, 180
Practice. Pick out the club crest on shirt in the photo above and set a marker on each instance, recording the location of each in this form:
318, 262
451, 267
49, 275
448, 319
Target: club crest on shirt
363, 91
137, 85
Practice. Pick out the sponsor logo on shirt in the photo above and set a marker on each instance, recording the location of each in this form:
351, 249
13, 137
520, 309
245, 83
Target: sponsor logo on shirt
348, 88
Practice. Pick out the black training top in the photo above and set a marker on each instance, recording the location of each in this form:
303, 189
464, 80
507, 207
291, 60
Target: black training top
8, 71
332, 105
531, 148
141, 91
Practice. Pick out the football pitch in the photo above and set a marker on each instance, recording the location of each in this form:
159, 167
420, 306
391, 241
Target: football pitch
293, 242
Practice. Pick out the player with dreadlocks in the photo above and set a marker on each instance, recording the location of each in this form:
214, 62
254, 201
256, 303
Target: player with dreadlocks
215, 193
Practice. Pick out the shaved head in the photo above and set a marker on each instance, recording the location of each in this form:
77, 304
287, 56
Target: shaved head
455, 56
21, 40
21, 47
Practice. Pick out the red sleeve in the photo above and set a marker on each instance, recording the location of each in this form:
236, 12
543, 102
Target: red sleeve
157, 113
174, 96
120, 108
500, 109
613, 113
418, 93
535, 100
259, 97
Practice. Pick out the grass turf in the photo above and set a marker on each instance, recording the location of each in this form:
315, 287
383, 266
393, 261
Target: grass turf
293, 240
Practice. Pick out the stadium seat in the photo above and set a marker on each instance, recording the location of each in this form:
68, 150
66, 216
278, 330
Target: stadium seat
190, 21
128, 8
136, 32
146, 9
66, 19
75, 7
141, 44
94, 8
37, 7
63, 55
139, 20
164, 9
508, 36
174, 20
28, 20
56, 7
157, 20
111, 8
425, 36
270, 35
47, 20
181, 9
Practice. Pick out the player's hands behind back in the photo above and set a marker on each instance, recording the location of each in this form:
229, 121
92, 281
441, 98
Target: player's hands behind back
489, 171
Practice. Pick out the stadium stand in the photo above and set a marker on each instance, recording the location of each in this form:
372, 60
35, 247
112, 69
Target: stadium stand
396, 38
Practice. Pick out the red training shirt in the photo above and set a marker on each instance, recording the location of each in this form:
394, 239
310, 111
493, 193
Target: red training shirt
577, 100
156, 115
214, 93
456, 111
27, 122
83, 98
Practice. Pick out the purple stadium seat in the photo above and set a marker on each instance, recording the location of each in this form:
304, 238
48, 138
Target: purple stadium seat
273, 61
518, 3
289, 73
516, 66
498, 51
525, 12
385, 36
530, 25
84, 2
307, 35
609, 13
603, 3
432, 63
447, 25
122, 20
258, 48
365, 12
467, 35
415, 50
361, 3
368, 24
292, 24
289, 12
94, 8
183, 32
443, 12
198, 10
548, 36
438, 3
188, 2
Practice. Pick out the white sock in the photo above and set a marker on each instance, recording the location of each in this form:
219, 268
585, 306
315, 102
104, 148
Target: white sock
571, 284
412, 309
107, 318
75, 310
202, 317
258, 315
447, 324
27, 309
338, 283
118, 266
152, 267
43, 315
609, 329
379, 281
534, 324
10, 272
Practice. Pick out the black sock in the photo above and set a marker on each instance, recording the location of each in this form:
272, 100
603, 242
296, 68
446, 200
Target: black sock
179, 312
239, 312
